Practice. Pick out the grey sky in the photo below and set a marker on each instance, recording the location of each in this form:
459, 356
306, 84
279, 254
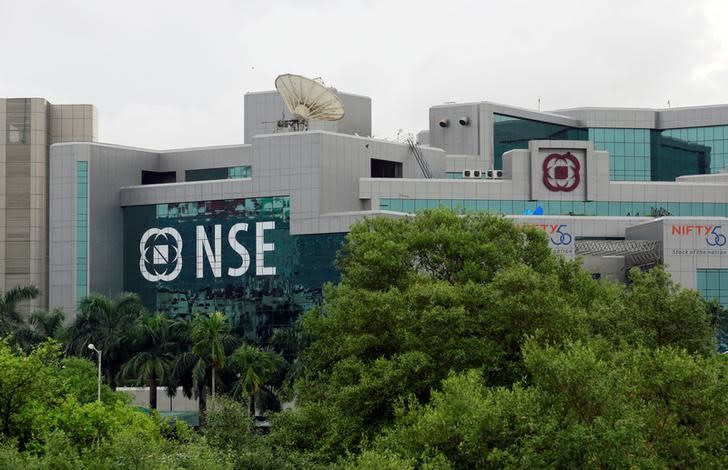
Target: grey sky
172, 74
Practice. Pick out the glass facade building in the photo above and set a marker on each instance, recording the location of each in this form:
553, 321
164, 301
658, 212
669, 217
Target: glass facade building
510, 133
636, 154
629, 152
262, 277
713, 284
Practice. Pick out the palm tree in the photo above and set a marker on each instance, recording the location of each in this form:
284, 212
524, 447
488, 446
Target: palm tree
48, 324
207, 338
107, 324
255, 367
42, 325
152, 340
10, 319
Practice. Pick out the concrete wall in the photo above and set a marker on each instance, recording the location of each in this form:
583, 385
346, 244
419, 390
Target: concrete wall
109, 168
459, 141
73, 123
319, 170
204, 157
24, 198
522, 181
613, 117
688, 244
455, 138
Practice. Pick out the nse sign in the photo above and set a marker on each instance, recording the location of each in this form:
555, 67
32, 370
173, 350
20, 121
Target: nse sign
161, 251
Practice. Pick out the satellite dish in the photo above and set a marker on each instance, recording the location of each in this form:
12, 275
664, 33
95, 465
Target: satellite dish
308, 99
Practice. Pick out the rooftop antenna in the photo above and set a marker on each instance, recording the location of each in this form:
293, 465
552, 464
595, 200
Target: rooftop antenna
668, 104
539, 104
307, 100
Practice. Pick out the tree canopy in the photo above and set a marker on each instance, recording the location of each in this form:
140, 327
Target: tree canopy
450, 342
439, 297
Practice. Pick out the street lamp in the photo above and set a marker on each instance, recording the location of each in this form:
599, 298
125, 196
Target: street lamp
98, 353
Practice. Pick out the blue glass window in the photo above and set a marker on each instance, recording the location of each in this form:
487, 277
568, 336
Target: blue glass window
590, 208
223, 173
511, 133
81, 229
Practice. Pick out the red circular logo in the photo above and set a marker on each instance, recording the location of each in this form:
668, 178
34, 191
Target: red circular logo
561, 172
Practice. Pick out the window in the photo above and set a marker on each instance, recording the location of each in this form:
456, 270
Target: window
81, 229
588, 208
511, 133
385, 169
222, 173
629, 154
237, 172
159, 177
690, 151
18, 121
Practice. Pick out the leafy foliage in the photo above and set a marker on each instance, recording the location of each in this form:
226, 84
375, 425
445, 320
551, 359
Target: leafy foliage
106, 324
451, 342
419, 298
427, 297
153, 340
587, 405
11, 321
255, 368
50, 419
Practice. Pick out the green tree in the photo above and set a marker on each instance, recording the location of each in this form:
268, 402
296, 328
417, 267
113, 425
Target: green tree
107, 324
10, 318
207, 337
424, 297
49, 418
48, 324
652, 311
255, 368
210, 335
585, 405
420, 297
25, 381
42, 325
154, 346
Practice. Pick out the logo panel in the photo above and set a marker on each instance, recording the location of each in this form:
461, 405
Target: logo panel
561, 172
715, 238
160, 253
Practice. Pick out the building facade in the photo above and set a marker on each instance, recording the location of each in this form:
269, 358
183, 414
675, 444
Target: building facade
253, 229
28, 127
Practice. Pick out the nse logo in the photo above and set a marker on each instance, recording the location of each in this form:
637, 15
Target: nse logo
713, 237
561, 172
160, 252
556, 233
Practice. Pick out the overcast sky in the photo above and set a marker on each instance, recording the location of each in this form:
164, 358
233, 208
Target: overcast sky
170, 74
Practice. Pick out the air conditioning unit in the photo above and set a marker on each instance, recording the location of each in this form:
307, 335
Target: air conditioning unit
476, 174
498, 174
489, 174
467, 174
472, 174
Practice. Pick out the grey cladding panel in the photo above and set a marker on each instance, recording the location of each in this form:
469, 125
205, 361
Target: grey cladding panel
455, 138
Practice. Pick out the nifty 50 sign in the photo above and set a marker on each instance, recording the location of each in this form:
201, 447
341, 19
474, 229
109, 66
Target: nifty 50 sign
713, 234
558, 233
160, 252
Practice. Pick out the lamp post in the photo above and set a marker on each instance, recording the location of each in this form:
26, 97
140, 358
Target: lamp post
98, 387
